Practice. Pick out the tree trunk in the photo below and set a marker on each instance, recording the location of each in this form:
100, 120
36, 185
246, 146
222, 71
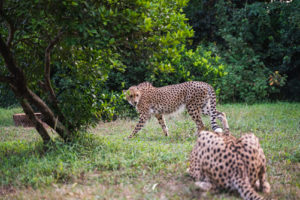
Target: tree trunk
28, 98
24, 93
38, 124
49, 116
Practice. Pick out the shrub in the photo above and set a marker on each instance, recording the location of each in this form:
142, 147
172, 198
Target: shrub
7, 97
257, 36
197, 65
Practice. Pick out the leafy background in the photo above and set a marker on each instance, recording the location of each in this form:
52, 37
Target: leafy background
248, 50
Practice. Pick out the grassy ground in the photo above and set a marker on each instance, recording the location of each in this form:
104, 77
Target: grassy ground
105, 165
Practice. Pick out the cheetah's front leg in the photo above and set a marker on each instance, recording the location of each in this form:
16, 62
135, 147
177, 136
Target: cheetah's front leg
162, 122
140, 124
262, 184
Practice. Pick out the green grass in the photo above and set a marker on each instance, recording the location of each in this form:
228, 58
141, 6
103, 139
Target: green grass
104, 164
6, 116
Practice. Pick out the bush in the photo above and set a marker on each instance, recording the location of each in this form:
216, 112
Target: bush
198, 65
258, 41
246, 77
7, 97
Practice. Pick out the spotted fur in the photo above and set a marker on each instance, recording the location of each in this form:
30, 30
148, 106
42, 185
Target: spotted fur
198, 98
222, 161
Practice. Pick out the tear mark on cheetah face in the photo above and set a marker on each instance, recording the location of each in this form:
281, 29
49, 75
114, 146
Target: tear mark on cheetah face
133, 95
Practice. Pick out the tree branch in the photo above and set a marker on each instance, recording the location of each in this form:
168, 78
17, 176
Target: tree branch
47, 65
47, 84
50, 118
11, 32
27, 41
17, 73
20, 88
36, 121
1, 5
11, 29
6, 79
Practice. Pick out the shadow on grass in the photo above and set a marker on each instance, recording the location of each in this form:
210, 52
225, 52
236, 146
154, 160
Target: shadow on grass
24, 163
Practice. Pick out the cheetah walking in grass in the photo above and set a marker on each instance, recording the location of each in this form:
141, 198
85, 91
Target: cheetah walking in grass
198, 98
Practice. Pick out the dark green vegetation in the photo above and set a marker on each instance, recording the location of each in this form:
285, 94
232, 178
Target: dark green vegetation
104, 164
257, 40
57, 55
70, 59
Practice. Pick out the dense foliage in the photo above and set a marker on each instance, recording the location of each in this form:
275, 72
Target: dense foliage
7, 97
86, 40
258, 42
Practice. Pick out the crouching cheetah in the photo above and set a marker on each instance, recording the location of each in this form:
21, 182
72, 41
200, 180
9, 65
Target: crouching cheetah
222, 161
198, 98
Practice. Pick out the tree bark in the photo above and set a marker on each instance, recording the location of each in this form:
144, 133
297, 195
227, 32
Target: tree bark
49, 116
21, 90
38, 124
47, 86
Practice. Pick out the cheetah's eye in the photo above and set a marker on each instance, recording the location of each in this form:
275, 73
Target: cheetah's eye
131, 96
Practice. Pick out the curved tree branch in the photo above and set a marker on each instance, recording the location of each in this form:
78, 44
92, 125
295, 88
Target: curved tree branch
11, 32
47, 84
49, 116
6, 79
21, 90
11, 28
47, 65
17, 73
36, 121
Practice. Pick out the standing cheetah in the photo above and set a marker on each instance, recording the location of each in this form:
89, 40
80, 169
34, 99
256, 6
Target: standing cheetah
221, 161
198, 98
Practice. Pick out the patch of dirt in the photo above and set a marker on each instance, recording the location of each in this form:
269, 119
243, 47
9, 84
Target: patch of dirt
5, 190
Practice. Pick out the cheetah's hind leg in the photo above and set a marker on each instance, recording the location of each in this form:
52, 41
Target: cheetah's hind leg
222, 116
209, 109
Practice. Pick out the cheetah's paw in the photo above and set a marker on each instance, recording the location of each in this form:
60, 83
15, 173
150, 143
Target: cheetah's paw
205, 186
219, 130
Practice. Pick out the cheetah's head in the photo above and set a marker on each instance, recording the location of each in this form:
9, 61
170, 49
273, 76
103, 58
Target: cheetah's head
133, 95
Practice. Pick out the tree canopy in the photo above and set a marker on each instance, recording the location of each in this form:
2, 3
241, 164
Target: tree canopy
57, 54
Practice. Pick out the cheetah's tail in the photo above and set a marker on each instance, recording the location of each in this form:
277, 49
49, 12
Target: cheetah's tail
245, 189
